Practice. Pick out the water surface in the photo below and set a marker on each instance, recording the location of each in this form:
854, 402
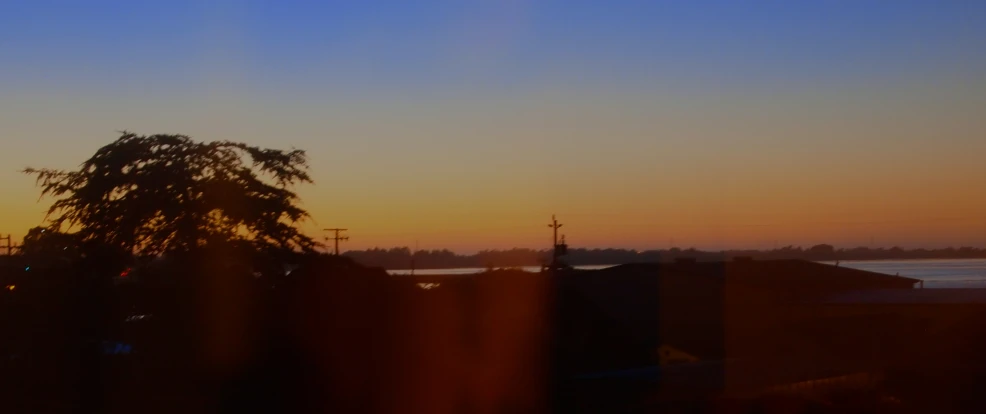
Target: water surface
474, 270
937, 273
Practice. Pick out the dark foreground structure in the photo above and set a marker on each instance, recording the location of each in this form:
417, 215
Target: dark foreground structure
329, 336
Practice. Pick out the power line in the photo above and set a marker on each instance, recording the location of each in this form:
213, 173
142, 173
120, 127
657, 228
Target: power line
337, 238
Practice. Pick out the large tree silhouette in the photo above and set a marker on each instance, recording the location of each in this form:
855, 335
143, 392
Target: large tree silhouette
167, 193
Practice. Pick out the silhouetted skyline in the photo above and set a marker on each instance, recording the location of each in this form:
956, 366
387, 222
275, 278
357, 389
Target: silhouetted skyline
401, 257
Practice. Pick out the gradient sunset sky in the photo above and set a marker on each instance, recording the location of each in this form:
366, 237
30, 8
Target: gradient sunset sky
466, 124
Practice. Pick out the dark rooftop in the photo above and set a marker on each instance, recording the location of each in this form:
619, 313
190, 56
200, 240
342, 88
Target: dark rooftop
797, 279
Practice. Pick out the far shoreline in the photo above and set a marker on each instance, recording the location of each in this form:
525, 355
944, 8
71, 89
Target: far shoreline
476, 269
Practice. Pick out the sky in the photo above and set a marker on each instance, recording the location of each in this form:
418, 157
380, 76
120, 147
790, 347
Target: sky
467, 124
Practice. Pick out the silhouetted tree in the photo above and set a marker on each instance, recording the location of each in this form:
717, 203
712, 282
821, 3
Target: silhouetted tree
822, 249
168, 193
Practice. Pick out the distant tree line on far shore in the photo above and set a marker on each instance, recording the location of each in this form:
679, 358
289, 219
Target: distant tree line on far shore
401, 257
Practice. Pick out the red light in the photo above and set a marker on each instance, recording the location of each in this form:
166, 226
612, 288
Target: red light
125, 273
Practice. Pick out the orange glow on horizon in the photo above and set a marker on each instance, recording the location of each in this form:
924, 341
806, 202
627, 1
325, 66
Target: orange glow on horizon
866, 165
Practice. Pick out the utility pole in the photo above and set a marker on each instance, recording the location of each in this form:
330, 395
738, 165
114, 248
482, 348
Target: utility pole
9, 246
338, 238
554, 225
558, 249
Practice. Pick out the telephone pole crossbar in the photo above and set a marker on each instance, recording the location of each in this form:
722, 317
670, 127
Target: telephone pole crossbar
337, 238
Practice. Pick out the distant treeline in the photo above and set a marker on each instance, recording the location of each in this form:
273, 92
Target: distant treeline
401, 257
